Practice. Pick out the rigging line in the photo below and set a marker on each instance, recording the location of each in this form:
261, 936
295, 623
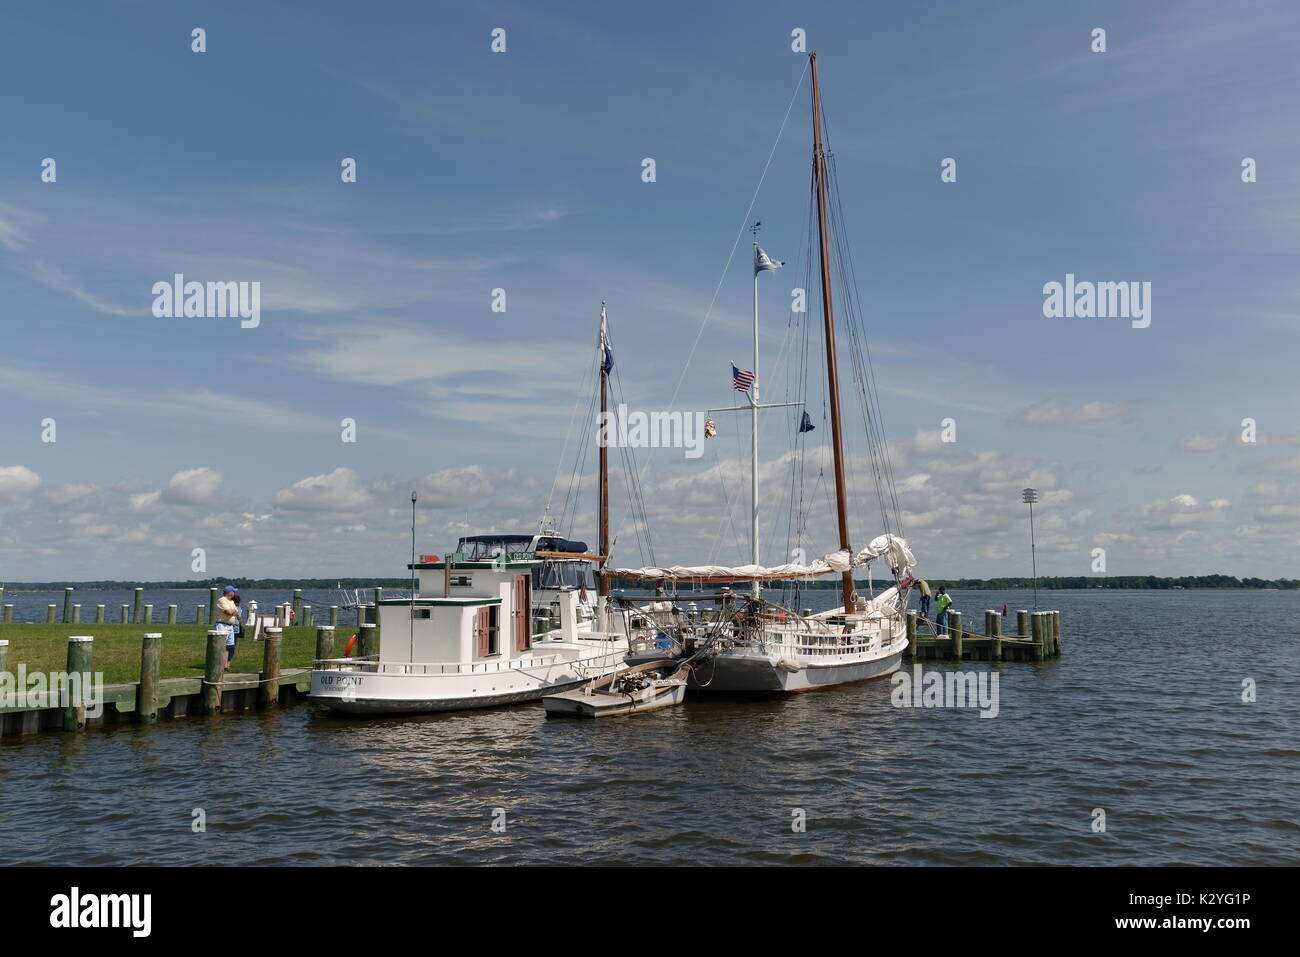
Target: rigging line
744, 222
559, 465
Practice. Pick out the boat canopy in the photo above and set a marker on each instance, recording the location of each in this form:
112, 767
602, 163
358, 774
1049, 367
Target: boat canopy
484, 547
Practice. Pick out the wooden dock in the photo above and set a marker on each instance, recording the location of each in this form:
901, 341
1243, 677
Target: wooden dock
1037, 638
152, 696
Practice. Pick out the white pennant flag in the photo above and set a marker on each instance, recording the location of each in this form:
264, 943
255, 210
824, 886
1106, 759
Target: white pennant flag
763, 262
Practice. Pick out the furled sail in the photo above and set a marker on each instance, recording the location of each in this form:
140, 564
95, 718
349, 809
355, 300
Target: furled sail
893, 548
833, 564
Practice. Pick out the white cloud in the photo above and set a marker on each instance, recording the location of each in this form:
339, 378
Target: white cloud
339, 491
192, 486
17, 482
1201, 443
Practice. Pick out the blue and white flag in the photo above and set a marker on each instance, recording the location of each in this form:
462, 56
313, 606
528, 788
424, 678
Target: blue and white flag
805, 424
606, 352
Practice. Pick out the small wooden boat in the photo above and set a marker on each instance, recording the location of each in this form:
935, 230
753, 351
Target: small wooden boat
644, 687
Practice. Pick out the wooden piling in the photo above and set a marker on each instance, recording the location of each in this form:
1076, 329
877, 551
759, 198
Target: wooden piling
80, 649
200, 615
270, 684
297, 606
67, 606
4, 655
2, 594
148, 615
361, 614
99, 614
1040, 641
146, 696
76, 613
8, 614
212, 606
1022, 623
126, 614
306, 616
214, 668
171, 614
139, 604
367, 640
911, 634
49, 614
1056, 632
324, 642
954, 633
334, 616
993, 628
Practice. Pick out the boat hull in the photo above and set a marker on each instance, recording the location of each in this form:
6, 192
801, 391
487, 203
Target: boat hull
733, 672
359, 692
578, 705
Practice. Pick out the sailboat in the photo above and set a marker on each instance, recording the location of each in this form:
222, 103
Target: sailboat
750, 643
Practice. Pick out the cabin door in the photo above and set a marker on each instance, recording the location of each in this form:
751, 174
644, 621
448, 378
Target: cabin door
523, 611
486, 631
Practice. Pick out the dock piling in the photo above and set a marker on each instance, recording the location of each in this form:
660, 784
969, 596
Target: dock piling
212, 605
1040, 641
1056, 633
49, 614
139, 605
1022, 623
324, 642
67, 606
99, 614
361, 614
200, 615
8, 614
993, 628
214, 667
334, 616
297, 606
148, 615
146, 696
270, 685
76, 613
80, 649
306, 616
4, 655
171, 614
954, 633
126, 614
367, 640
911, 634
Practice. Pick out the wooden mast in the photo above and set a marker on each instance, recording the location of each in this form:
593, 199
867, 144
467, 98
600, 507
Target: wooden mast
828, 316
602, 581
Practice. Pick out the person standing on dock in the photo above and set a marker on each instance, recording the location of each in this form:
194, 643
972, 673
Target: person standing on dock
941, 613
228, 620
923, 587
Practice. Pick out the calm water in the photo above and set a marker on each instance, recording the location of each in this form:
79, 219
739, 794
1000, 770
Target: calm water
1142, 716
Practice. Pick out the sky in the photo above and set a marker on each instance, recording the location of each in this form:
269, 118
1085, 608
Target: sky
522, 171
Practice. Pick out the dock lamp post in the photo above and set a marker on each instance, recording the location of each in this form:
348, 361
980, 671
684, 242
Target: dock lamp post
1029, 496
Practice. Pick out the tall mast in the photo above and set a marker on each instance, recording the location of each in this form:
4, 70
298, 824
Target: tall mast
602, 584
828, 317
753, 431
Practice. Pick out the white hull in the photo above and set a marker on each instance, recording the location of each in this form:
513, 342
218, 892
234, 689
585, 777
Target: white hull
386, 688
740, 671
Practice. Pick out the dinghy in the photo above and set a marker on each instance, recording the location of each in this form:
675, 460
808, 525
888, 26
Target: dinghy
644, 687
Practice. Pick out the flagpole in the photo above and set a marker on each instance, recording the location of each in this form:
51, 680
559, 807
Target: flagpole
602, 583
753, 462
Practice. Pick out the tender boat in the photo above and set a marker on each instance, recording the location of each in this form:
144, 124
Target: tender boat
645, 687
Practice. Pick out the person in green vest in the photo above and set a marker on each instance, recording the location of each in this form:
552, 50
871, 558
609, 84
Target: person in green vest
941, 612
923, 587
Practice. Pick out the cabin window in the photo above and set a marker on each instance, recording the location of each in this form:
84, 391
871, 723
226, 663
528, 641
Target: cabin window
461, 581
422, 613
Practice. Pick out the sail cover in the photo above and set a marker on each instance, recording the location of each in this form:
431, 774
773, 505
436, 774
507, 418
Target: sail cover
835, 563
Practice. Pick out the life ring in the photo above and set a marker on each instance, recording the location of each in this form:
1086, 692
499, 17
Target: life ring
352, 643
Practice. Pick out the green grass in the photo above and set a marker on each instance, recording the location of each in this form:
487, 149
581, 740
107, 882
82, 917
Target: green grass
44, 648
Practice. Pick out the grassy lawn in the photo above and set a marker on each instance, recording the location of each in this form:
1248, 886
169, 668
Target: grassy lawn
117, 648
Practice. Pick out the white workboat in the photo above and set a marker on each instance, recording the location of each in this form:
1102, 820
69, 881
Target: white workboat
465, 641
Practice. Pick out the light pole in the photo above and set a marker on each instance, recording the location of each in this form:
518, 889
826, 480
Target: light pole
1029, 496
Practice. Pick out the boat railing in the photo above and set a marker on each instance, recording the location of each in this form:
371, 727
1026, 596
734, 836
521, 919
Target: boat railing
374, 666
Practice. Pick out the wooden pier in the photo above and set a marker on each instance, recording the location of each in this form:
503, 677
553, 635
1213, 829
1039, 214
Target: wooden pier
1037, 638
146, 700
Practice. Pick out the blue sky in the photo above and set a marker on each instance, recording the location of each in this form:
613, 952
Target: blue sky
521, 170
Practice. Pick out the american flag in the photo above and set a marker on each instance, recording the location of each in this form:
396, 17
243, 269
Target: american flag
741, 380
